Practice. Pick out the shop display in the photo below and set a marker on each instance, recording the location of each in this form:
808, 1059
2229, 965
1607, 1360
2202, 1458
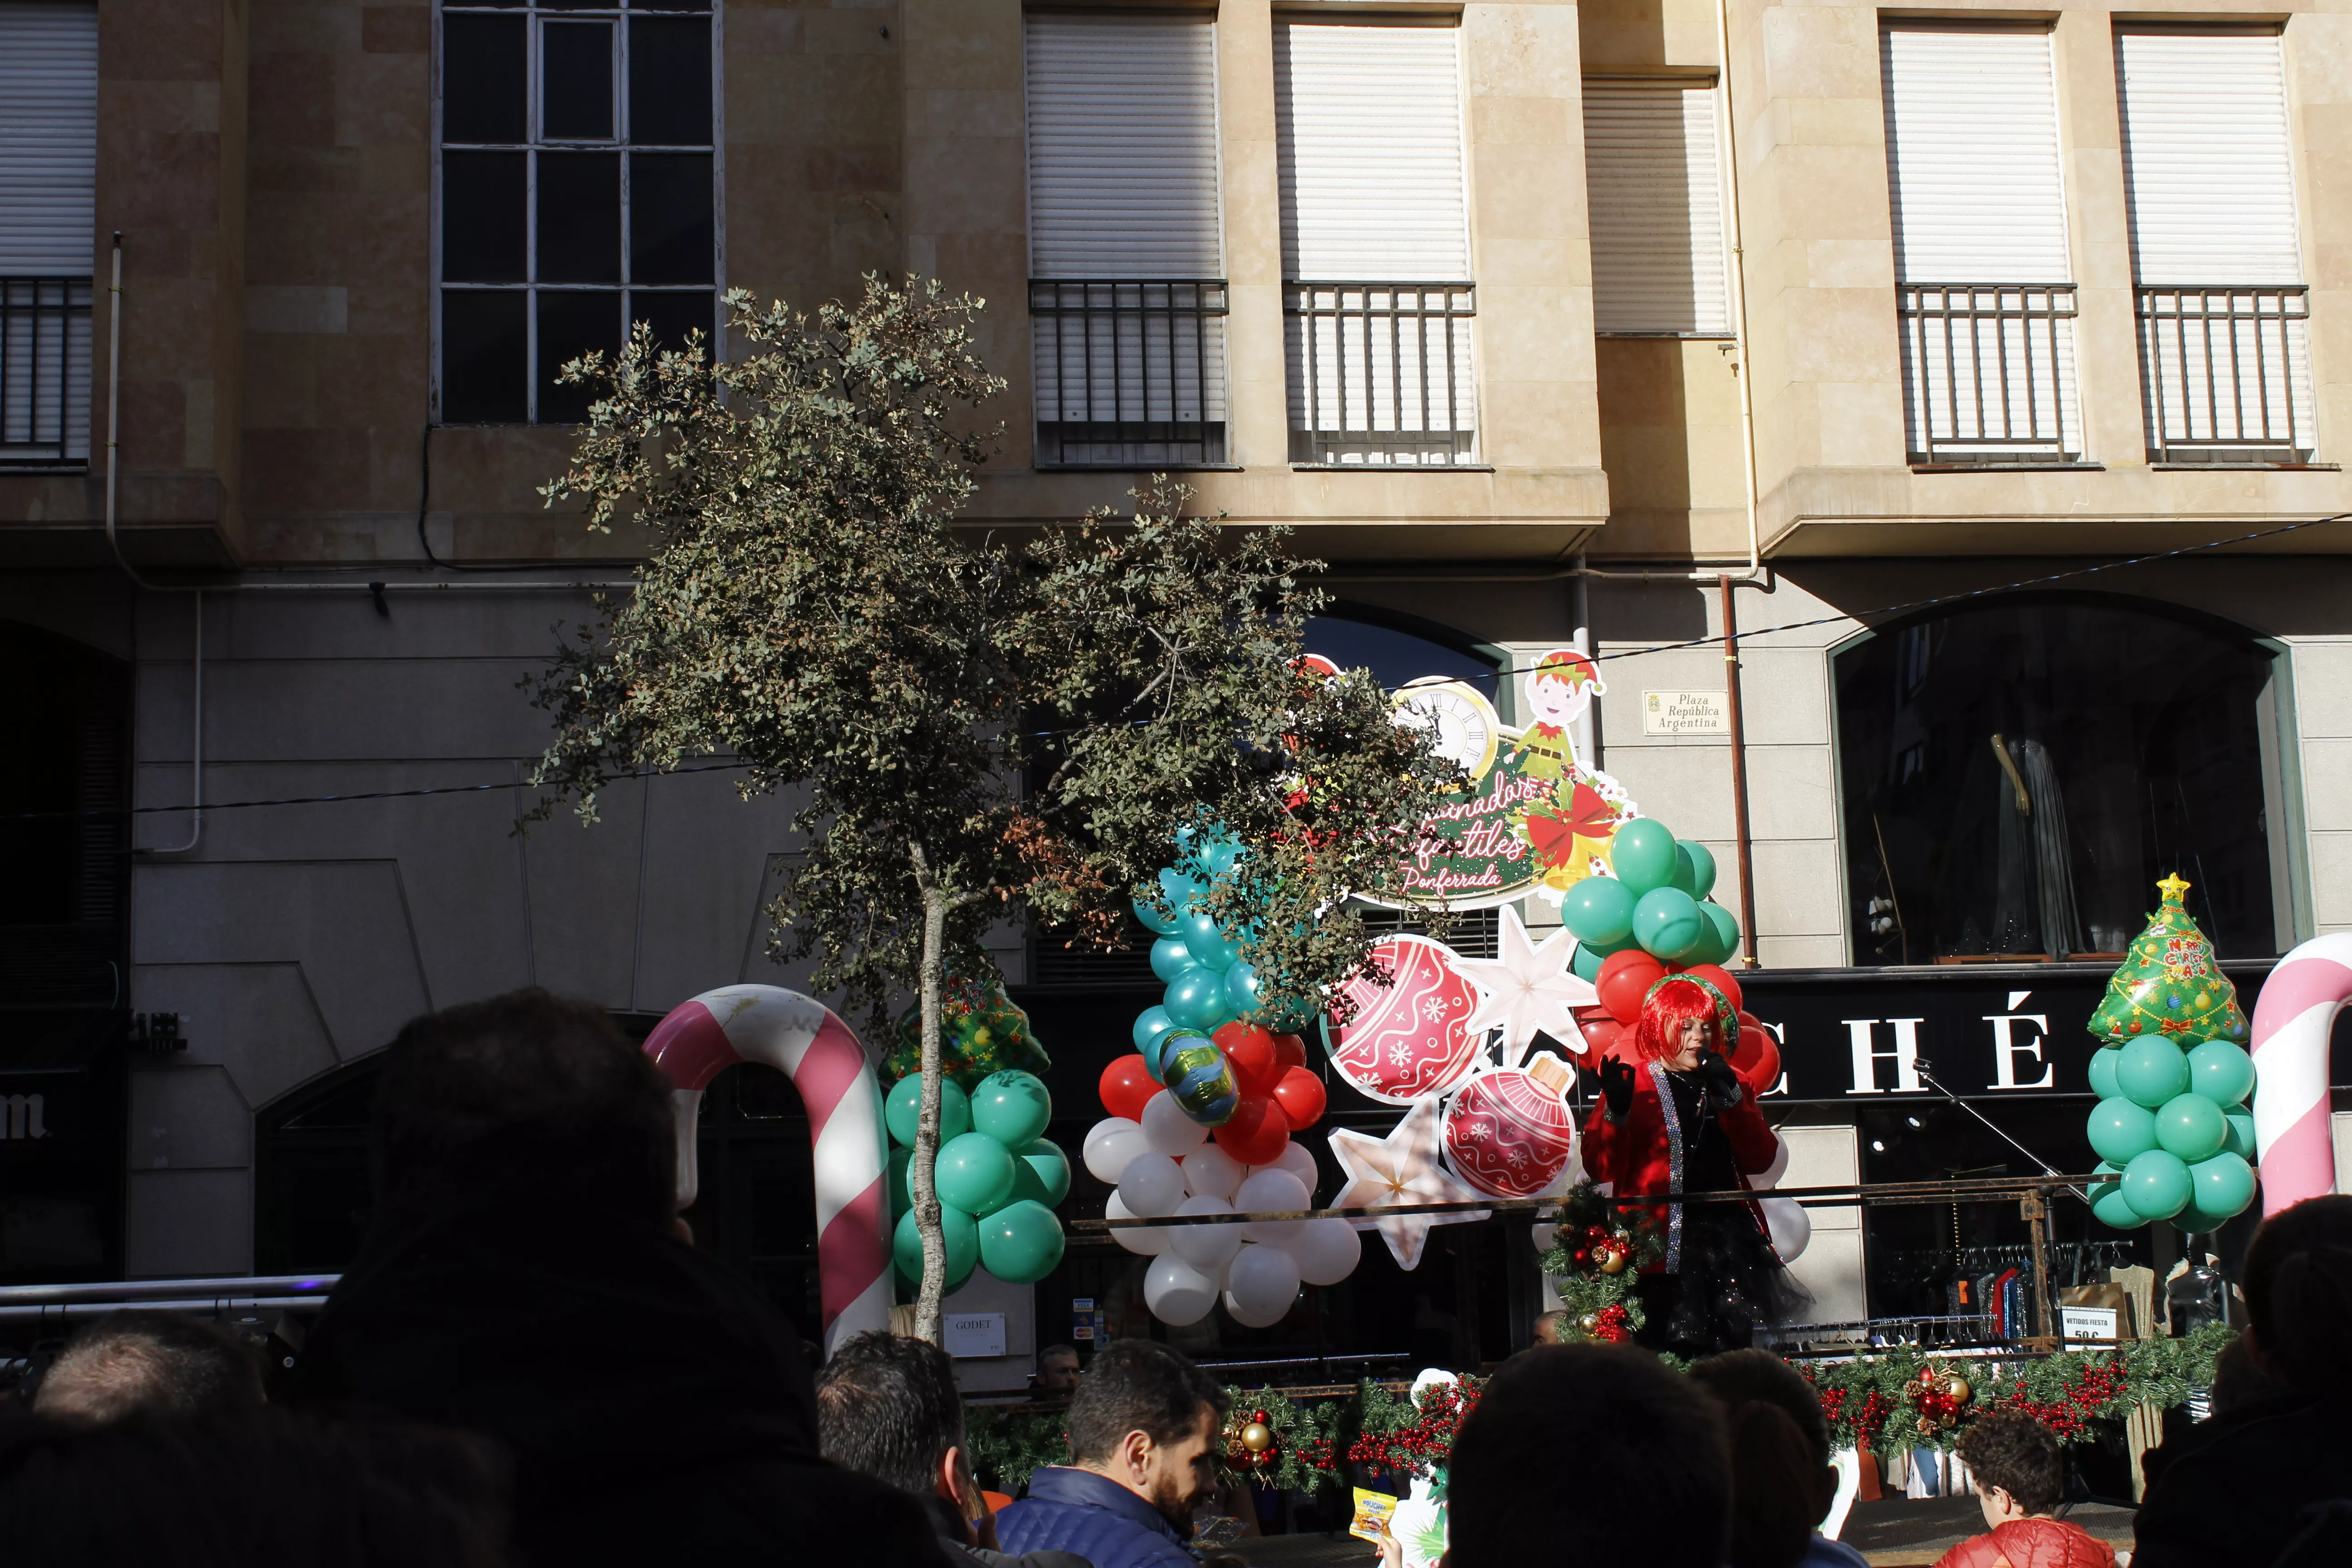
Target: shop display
2294, 1018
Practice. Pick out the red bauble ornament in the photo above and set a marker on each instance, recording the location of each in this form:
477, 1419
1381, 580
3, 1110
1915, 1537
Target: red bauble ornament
1249, 1051
1257, 1131
1408, 1039
1126, 1084
1301, 1096
1625, 981
1508, 1133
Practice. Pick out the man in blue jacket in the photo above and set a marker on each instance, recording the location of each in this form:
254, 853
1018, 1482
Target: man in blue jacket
1143, 1432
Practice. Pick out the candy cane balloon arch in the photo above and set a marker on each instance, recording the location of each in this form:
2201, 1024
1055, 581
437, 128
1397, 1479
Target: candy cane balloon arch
803, 1038
2293, 1016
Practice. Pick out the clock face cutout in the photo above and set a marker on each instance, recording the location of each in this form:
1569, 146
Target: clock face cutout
1468, 731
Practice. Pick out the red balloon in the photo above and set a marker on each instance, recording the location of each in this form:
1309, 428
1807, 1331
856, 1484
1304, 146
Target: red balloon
1602, 1038
1250, 1052
1289, 1050
1127, 1083
1257, 1131
1721, 980
1625, 979
1757, 1059
1300, 1095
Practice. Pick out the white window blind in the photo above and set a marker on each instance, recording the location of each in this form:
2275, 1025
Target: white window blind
1654, 191
1126, 257
48, 199
2215, 249
1985, 288
1375, 243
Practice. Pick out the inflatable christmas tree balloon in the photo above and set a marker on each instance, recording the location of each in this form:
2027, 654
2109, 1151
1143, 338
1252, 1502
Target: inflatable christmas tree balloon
2171, 1128
982, 1032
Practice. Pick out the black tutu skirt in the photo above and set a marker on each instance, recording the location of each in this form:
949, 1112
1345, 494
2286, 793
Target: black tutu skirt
1729, 1283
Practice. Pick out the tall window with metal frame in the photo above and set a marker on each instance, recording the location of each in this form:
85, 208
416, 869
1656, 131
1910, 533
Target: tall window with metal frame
2217, 261
578, 192
1985, 289
48, 206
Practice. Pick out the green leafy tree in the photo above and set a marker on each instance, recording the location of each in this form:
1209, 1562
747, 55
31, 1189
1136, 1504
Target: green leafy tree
980, 729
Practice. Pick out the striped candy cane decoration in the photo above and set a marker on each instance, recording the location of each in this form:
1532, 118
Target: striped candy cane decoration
2292, 1018
803, 1038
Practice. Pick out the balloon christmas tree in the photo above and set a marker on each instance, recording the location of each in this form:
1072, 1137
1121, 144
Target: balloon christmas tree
997, 1175
2172, 1075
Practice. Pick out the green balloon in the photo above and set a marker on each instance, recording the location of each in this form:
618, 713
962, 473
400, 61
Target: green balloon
2221, 1071
2241, 1141
2190, 1127
974, 1174
2102, 1072
906, 1103
2108, 1205
2150, 1072
902, 1192
1694, 869
2157, 1185
2121, 1130
1021, 1243
1011, 1107
1642, 854
1598, 910
1722, 938
1667, 923
1041, 1174
960, 1232
2221, 1186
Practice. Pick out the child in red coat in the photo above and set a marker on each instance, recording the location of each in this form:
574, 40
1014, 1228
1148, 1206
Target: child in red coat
2019, 1477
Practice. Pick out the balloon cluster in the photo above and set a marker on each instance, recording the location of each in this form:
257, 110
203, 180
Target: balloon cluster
1199, 959
1654, 900
2171, 1128
997, 1175
981, 1031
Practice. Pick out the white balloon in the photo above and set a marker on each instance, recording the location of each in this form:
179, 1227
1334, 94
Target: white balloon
1543, 1236
1211, 1172
1326, 1250
1205, 1247
1151, 1185
1271, 1191
1110, 1144
1299, 1160
1791, 1226
1177, 1292
1148, 1241
1777, 1169
1168, 1129
1261, 1285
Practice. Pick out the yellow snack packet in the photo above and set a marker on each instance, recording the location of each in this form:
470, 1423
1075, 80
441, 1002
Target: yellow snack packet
1372, 1510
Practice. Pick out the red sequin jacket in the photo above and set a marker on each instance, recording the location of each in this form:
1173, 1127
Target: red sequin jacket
1636, 1157
2032, 1544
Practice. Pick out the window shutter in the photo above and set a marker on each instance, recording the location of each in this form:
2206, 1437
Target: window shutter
49, 219
1369, 124
1972, 150
2205, 158
1655, 195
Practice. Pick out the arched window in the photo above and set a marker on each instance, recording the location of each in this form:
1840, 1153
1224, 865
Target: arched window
2019, 773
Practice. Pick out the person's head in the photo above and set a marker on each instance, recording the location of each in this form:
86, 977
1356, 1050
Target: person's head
887, 1407
525, 1095
153, 1363
1680, 1019
1648, 1440
1548, 1328
1147, 1418
2298, 1287
2015, 1461
1782, 1482
1058, 1369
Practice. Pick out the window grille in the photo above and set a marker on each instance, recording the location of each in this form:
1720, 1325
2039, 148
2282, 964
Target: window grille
45, 325
2227, 373
1380, 374
1989, 371
1130, 372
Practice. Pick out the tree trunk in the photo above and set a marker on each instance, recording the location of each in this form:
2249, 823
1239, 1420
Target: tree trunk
921, 1171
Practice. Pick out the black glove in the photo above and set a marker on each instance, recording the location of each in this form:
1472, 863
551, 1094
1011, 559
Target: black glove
1617, 1087
1721, 1082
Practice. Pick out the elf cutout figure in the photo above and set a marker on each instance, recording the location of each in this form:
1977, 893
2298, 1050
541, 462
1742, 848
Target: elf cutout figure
1678, 1120
1558, 691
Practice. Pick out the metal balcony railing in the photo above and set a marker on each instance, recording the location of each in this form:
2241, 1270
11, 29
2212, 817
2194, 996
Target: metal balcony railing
1380, 374
2226, 370
44, 371
1989, 373
1130, 372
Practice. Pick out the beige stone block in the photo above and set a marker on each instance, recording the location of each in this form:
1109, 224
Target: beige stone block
1832, 192
312, 29
1840, 334
2327, 785
1798, 889
1792, 791
1783, 692
762, 30
1520, 51
1836, 121
964, 112
2319, 59
2331, 878
2323, 687
1687, 785
1861, 423
967, 185
847, 32
1506, 261
1802, 952
1523, 189
1822, 51
297, 309
1848, 264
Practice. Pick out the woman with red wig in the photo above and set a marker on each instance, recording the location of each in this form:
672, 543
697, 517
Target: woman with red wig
1678, 1120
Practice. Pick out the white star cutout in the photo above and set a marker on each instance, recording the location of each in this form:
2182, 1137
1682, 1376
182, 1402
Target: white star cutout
1403, 1168
1525, 988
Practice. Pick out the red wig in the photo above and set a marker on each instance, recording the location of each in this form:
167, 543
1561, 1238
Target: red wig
1674, 1000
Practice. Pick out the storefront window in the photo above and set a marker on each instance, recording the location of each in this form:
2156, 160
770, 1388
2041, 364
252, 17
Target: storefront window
2016, 777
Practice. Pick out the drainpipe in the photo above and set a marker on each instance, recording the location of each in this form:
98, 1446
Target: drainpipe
1743, 841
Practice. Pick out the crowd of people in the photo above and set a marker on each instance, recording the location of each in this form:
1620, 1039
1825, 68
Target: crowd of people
529, 1365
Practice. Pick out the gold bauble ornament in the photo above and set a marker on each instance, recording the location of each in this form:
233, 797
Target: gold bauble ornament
1258, 1437
1959, 1392
1590, 1321
1614, 1263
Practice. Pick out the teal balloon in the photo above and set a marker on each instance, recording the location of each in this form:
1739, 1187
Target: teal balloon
1180, 890
2190, 1127
2120, 1130
1642, 854
2221, 1071
2241, 1141
2222, 1185
956, 1228
1011, 1107
2150, 1072
1585, 962
1694, 869
2157, 1185
1722, 938
1196, 999
1209, 945
1667, 923
1202, 1082
902, 1192
1174, 1040
974, 1174
1219, 858
1170, 958
1242, 990
2102, 1072
1021, 1243
1599, 909
1041, 1174
1149, 1025
906, 1103
1149, 913
2108, 1206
